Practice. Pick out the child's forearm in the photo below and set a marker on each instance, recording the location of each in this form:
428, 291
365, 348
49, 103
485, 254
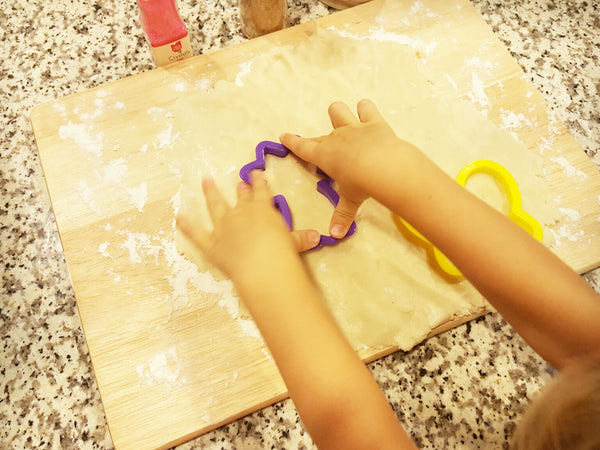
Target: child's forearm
548, 304
336, 396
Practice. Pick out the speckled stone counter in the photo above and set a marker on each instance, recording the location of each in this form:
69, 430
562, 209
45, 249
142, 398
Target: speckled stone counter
465, 388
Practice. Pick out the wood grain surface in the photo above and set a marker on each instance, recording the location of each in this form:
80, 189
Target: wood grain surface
167, 373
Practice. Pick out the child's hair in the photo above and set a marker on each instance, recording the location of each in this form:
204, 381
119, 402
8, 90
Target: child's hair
567, 413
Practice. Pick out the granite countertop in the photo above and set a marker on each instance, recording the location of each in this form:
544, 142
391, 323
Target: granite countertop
464, 388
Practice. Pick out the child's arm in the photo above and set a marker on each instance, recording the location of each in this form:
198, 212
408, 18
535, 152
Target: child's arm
336, 396
554, 310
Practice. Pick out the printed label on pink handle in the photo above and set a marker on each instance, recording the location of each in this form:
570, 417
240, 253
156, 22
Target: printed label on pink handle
173, 52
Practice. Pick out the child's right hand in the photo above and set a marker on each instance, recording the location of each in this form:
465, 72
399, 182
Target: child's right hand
353, 154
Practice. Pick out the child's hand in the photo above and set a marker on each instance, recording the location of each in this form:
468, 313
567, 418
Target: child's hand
250, 234
353, 154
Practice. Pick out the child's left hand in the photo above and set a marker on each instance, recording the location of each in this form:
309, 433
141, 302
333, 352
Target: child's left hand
247, 236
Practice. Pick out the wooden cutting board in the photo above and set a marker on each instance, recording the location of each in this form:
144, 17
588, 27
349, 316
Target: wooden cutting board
165, 373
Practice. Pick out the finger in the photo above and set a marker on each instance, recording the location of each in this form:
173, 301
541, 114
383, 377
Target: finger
367, 111
244, 191
305, 239
342, 218
196, 234
341, 115
216, 204
260, 187
301, 147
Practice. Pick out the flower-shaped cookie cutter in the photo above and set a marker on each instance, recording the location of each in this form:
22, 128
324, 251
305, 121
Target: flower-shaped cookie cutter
515, 213
324, 187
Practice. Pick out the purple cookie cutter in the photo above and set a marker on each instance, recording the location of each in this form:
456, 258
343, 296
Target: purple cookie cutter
324, 187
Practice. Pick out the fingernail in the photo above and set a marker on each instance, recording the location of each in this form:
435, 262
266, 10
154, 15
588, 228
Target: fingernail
338, 231
313, 237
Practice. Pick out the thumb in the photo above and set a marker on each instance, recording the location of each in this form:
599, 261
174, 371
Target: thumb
342, 218
305, 239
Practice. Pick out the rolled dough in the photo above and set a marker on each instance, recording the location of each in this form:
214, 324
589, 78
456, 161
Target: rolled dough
381, 287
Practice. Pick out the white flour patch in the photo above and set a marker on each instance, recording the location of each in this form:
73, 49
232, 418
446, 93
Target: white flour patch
83, 136
203, 84
245, 69
545, 144
86, 193
179, 86
115, 275
62, 109
513, 121
157, 113
570, 232
572, 214
451, 81
265, 352
568, 168
163, 368
418, 8
175, 202
138, 195
140, 245
481, 65
103, 249
379, 34
478, 95
114, 172
249, 328
165, 138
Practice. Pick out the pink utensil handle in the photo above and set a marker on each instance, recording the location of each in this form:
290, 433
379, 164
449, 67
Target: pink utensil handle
161, 22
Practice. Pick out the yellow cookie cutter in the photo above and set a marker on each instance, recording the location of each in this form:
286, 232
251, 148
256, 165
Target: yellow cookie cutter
516, 213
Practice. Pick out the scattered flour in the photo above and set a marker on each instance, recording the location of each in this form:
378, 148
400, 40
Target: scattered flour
483, 66
545, 144
245, 69
114, 172
379, 34
139, 245
451, 81
179, 86
157, 113
568, 168
570, 232
514, 121
165, 137
478, 95
138, 195
175, 202
183, 274
418, 8
84, 137
86, 194
163, 368
203, 84
62, 109
115, 275
103, 249
572, 214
